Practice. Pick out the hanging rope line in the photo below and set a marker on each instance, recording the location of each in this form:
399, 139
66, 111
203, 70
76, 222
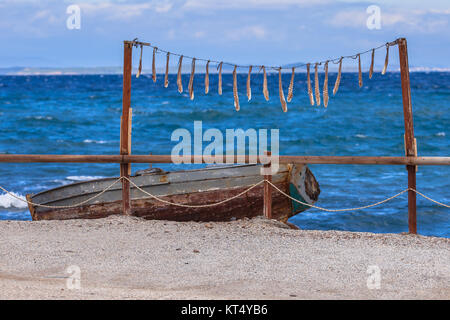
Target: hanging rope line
222, 201
275, 68
263, 68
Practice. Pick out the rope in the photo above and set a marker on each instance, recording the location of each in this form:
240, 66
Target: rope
286, 195
428, 198
61, 207
276, 68
222, 201
194, 206
336, 210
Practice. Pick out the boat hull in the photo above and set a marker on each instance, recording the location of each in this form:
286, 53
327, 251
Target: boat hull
191, 187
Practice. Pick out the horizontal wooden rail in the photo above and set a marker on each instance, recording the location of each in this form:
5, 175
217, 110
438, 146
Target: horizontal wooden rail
18, 158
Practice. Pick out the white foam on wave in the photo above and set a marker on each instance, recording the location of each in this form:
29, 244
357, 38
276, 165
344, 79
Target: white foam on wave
7, 201
440, 134
83, 178
95, 141
61, 182
360, 136
42, 118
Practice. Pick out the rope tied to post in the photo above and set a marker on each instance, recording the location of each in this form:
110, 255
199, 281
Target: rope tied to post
222, 201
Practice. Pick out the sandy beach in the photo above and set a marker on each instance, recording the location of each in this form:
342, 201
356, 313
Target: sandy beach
130, 258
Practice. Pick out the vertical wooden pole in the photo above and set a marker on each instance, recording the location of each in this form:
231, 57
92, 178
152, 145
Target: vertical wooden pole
268, 192
409, 133
125, 127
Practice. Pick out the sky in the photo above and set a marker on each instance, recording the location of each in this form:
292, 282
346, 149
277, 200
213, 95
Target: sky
34, 33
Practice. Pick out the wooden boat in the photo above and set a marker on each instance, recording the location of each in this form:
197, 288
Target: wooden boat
193, 187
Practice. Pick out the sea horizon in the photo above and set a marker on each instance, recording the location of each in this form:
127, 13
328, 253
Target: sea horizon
54, 71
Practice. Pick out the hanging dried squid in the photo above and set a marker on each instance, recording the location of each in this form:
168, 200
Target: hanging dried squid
220, 77
291, 87
316, 83
386, 60
360, 80
308, 77
191, 80
265, 90
166, 76
325, 85
179, 82
235, 91
371, 64
338, 78
140, 63
280, 89
207, 78
249, 89
154, 64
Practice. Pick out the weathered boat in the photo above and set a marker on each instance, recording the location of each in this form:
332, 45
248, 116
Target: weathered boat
192, 187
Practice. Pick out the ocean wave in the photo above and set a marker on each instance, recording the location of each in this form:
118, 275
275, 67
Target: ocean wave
440, 134
60, 182
95, 141
41, 118
83, 178
362, 136
7, 201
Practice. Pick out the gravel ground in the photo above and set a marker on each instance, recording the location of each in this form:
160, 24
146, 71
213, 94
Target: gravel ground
129, 258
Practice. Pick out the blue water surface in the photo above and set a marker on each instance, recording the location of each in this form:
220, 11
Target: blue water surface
81, 115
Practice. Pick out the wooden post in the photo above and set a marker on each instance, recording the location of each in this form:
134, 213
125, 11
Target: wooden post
129, 137
268, 192
409, 133
125, 130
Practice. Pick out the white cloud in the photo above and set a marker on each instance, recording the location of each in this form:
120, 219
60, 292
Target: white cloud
44, 15
443, 11
415, 20
249, 4
349, 18
122, 10
358, 18
163, 7
199, 34
246, 32
171, 34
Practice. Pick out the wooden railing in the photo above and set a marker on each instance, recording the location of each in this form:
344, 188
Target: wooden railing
126, 159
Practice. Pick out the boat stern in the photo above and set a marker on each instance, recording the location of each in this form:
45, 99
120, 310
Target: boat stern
31, 207
303, 187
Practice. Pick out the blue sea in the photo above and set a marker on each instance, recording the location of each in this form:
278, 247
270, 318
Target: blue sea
81, 115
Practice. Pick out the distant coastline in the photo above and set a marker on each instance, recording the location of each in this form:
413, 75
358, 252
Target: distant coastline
27, 71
